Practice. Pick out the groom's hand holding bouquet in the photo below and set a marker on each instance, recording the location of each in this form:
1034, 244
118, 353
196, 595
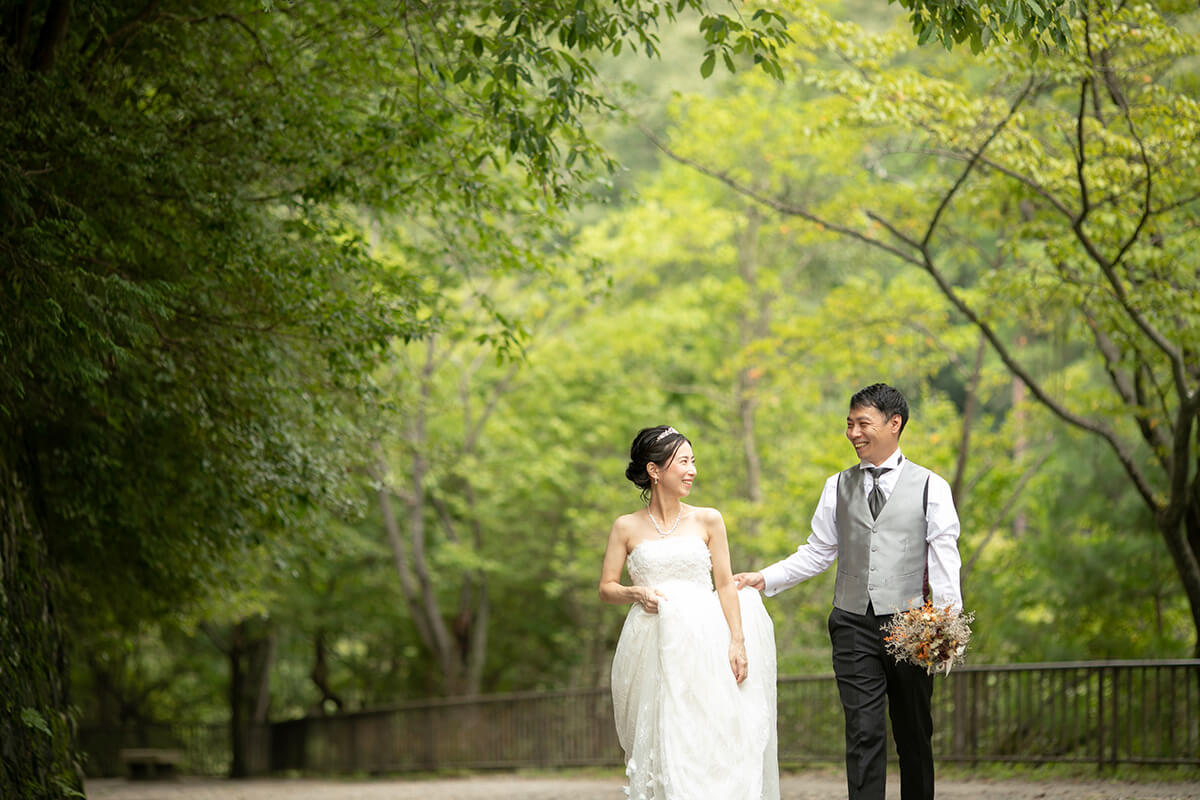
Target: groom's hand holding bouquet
931, 637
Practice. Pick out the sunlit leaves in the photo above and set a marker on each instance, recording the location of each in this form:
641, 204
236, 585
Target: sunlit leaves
503, 55
1062, 219
1038, 24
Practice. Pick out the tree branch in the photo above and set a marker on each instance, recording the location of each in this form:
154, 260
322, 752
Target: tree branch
1123, 453
1087, 40
778, 205
926, 262
1108, 268
1126, 387
254, 37
443, 513
1024, 180
1080, 156
400, 556
962, 178
474, 428
1093, 251
120, 34
893, 230
1009, 505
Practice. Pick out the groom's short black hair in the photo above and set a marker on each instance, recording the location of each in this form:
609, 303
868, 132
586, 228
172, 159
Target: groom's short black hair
887, 399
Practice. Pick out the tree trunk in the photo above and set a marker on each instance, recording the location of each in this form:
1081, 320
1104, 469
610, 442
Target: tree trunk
37, 746
1180, 542
320, 676
460, 648
16, 25
237, 711
54, 30
751, 327
412, 566
250, 652
262, 705
477, 658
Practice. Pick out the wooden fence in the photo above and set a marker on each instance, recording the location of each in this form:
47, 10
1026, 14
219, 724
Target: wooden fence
1106, 713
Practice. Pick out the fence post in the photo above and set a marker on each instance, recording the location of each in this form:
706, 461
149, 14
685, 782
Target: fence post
959, 741
1116, 715
1100, 720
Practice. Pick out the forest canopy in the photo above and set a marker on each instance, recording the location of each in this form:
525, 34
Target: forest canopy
325, 334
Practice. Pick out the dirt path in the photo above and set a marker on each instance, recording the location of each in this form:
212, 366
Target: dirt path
507, 787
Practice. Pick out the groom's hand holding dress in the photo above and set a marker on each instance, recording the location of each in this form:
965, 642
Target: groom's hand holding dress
751, 580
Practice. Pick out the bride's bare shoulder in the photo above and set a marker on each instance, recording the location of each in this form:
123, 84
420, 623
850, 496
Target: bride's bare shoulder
629, 521
707, 516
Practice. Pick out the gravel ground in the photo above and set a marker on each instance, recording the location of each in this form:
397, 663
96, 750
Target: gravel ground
506, 787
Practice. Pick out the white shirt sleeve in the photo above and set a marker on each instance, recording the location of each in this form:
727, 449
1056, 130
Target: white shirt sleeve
816, 554
941, 535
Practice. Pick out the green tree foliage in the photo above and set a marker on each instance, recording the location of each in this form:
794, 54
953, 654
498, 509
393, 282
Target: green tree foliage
188, 315
36, 750
1051, 200
259, 263
184, 312
655, 336
1042, 24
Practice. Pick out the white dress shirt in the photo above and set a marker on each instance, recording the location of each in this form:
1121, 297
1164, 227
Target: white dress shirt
821, 550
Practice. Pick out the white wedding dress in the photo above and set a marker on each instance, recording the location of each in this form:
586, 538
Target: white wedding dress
689, 731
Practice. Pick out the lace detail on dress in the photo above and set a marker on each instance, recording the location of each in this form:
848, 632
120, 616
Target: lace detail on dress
644, 779
683, 558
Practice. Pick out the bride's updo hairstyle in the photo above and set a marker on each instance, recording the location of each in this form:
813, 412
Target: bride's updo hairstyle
655, 445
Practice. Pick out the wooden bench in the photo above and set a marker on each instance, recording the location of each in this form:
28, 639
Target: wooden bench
150, 762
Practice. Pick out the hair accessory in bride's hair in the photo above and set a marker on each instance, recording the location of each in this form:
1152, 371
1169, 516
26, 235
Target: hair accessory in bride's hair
667, 432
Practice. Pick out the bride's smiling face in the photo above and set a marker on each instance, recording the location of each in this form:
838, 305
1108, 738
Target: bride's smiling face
676, 476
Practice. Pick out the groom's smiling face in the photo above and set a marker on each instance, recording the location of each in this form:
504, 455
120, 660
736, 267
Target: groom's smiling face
874, 437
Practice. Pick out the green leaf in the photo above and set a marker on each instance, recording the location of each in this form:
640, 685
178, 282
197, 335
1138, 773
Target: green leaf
34, 719
710, 61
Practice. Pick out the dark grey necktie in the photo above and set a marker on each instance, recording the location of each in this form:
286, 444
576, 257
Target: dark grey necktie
876, 499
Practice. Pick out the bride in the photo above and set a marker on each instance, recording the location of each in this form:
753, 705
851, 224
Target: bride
693, 677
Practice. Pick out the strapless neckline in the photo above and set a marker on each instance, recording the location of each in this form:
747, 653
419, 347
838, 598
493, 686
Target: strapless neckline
656, 562
666, 539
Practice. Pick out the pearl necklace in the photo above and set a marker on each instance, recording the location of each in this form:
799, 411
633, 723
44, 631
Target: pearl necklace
661, 532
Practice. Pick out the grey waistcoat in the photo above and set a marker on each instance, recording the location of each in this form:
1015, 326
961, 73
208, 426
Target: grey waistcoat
881, 560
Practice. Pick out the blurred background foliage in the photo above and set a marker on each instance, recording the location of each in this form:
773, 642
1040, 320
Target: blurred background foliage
330, 404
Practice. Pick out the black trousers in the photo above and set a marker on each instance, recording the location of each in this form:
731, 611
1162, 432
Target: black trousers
869, 679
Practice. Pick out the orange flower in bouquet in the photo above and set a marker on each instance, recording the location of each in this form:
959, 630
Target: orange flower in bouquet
932, 638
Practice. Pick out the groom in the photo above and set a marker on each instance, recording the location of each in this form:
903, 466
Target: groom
892, 527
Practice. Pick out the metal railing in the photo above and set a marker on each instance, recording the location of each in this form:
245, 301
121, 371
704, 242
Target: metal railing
1103, 712
1107, 712
546, 729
